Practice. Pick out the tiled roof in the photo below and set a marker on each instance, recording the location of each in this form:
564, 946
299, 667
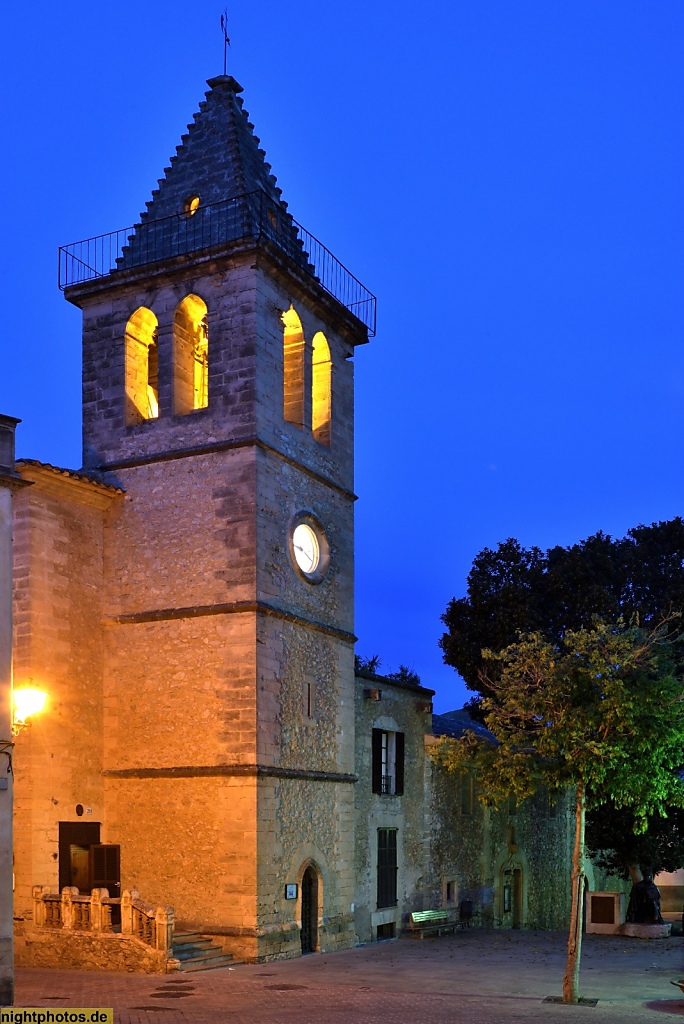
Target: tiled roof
90, 475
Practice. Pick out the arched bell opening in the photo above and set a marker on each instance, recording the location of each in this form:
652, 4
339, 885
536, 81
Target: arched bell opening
321, 389
293, 368
190, 356
141, 361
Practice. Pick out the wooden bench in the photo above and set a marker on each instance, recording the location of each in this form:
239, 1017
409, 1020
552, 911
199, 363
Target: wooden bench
430, 922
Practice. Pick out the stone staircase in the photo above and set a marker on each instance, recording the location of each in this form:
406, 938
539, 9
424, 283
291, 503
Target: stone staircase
198, 954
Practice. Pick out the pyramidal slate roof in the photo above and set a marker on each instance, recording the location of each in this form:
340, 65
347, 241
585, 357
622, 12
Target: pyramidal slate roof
219, 157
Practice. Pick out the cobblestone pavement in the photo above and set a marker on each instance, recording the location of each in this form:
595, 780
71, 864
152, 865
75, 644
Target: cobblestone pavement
474, 977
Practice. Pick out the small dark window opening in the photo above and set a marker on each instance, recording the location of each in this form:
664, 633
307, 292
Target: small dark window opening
467, 793
387, 867
387, 776
387, 931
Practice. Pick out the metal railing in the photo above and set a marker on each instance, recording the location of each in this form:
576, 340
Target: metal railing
253, 217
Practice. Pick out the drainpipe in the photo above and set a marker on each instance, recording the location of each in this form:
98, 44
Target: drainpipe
10, 481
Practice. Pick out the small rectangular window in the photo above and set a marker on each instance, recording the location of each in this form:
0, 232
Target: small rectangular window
450, 891
387, 867
386, 931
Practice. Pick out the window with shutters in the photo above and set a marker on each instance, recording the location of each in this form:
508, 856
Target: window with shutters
387, 868
388, 762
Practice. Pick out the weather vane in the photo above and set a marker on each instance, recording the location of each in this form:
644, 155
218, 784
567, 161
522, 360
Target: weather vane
226, 40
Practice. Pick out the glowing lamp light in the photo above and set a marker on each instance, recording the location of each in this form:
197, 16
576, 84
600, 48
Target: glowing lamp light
28, 701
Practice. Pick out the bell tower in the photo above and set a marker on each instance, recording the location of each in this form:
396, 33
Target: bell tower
218, 392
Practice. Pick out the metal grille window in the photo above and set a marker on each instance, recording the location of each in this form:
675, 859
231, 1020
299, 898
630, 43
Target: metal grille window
387, 867
388, 762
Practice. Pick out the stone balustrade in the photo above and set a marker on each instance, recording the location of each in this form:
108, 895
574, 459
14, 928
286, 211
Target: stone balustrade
69, 911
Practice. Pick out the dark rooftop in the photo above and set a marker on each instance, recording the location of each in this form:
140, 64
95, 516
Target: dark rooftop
456, 723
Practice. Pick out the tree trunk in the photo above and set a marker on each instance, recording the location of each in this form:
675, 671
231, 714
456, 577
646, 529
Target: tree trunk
635, 873
571, 979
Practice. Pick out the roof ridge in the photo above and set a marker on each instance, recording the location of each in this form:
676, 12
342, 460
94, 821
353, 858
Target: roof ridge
90, 476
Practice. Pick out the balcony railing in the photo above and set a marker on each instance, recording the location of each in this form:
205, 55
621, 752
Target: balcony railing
253, 217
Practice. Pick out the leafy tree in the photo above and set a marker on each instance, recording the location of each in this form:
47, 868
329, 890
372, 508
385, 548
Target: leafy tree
404, 674
513, 589
599, 710
615, 845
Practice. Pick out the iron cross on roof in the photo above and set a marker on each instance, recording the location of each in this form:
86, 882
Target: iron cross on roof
226, 40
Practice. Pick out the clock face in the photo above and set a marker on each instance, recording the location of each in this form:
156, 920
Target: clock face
307, 550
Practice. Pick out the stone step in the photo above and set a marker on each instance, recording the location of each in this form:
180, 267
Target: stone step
207, 964
197, 953
199, 944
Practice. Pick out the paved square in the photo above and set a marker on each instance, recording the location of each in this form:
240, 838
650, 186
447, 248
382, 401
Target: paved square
478, 977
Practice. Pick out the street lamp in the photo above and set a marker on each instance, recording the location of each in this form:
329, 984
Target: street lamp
26, 702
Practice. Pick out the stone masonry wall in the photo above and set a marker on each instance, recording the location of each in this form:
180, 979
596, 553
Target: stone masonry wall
185, 534
473, 850
58, 648
36, 947
190, 842
229, 294
398, 710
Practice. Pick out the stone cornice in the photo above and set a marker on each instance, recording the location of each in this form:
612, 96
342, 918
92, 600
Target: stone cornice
232, 608
223, 770
223, 446
12, 481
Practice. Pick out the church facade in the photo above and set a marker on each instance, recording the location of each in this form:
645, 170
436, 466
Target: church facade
186, 599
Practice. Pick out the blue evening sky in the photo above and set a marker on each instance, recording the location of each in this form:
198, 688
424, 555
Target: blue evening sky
506, 175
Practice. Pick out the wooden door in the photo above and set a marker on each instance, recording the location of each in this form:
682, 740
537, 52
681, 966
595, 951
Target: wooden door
75, 840
517, 898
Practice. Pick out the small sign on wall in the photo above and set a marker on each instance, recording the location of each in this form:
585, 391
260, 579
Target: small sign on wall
291, 891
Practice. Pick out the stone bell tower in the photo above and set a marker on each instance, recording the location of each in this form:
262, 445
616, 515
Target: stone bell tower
218, 392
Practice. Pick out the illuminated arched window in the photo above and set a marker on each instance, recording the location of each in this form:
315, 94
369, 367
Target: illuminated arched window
321, 391
190, 356
141, 367
293, 368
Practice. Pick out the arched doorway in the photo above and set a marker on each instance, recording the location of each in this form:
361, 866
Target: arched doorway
309, 932
511, 872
